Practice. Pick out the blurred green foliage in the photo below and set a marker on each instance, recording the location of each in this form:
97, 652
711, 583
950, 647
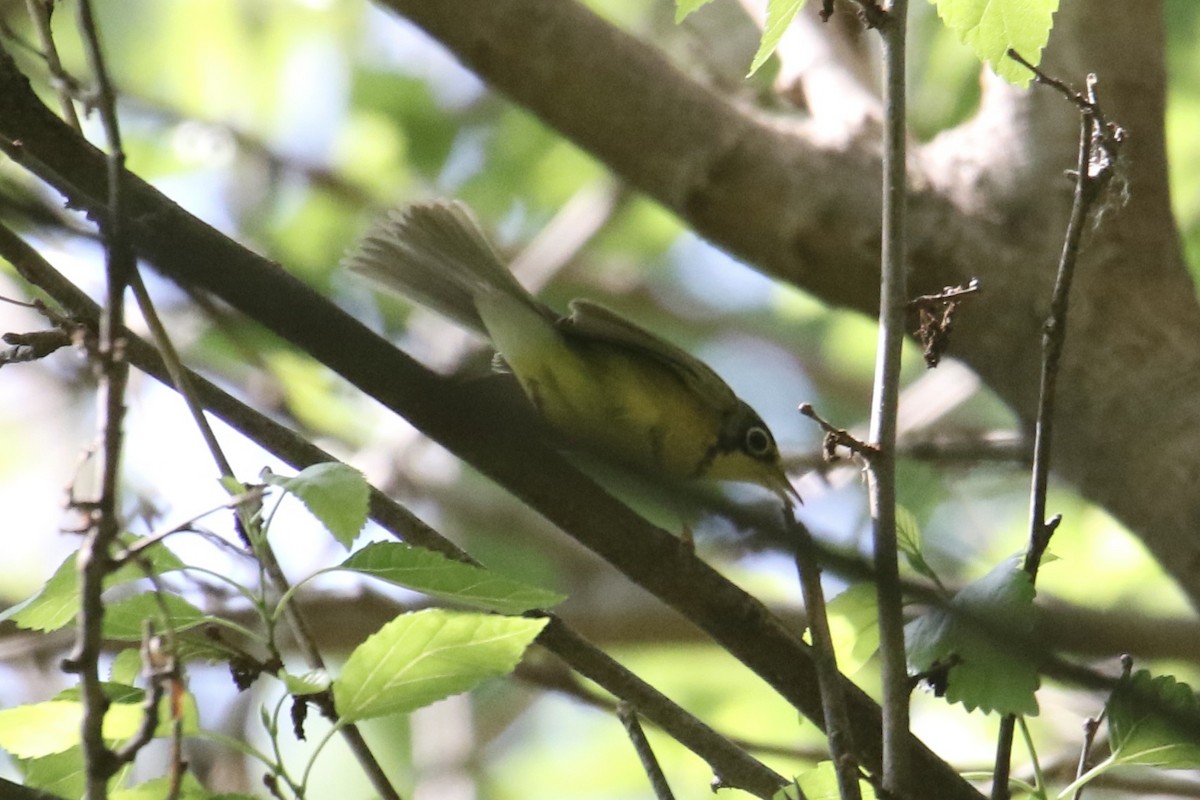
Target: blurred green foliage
290, 124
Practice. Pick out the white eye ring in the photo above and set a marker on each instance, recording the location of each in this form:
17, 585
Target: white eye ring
757, 441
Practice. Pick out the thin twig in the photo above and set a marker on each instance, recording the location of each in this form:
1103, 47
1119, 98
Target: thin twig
1090, 726
179, 377
881, 469
94, 560
837, 437
654, 773
833, 695
1095, 164
39, 12
945, 295
139, 547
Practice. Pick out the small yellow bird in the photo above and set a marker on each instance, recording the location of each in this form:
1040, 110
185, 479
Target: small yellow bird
605, 383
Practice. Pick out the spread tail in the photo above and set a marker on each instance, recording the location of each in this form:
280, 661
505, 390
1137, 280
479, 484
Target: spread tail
436, 254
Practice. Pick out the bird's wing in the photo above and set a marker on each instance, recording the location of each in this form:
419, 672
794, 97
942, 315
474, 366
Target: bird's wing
593, 321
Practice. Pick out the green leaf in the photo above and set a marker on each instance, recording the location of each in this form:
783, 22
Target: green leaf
123, 619
40, 729
1154, 722
854, 623
685, 7
335, 494
311, 682
116, 693
981, 634
821, 783
232, 485
59, 774
421, 657
126, 667
908, 535
992, 27
780, 14
56, 604
158, 788
43, 729
435, 575
51, 607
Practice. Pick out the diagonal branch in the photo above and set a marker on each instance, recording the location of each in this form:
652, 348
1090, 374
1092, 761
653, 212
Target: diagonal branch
472, 427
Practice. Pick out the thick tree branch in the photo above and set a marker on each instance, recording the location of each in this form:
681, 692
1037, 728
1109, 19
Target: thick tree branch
191, 253
803, 209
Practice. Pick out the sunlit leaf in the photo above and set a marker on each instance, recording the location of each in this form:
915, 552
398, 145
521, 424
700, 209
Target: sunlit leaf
421, 657
311, 682
433, 574
42, 729
854, 623
992, 27
56, 603
780, 14
335, 494
1154, 721
61, 773
821, 783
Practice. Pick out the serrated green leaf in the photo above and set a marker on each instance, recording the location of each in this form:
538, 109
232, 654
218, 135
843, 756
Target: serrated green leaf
780, 14
311, 682
337, 495
42, 729
435, 575
116, 693
56, 604
59, 774
421, 657
123, 619
1154, 721
685, 7
982, 633
51, 607
992, 27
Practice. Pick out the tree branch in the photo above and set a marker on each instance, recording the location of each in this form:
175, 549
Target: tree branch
800, 208
473, 428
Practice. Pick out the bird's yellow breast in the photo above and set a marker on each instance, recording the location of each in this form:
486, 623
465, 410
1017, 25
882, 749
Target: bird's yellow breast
624, 405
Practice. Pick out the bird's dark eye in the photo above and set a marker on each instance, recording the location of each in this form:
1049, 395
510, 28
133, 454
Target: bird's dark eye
758, 442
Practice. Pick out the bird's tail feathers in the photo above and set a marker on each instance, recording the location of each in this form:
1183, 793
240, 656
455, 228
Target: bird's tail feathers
436, 254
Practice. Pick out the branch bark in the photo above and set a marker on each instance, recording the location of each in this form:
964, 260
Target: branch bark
193, 254
985, 202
